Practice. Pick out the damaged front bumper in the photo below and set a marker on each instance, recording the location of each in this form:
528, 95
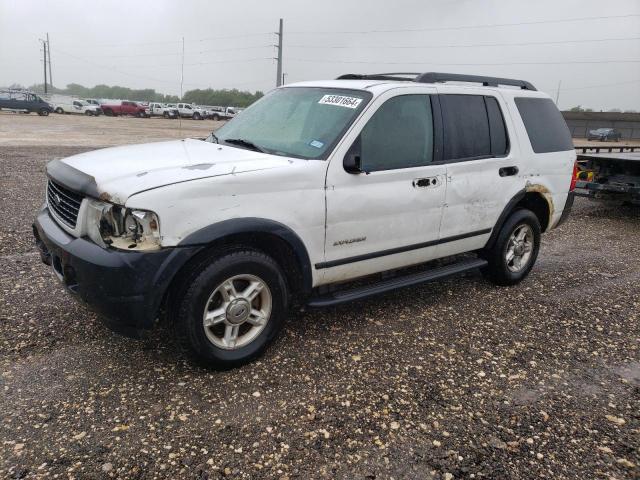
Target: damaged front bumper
125, 288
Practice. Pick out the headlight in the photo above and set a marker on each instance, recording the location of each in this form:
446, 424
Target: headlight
110, 225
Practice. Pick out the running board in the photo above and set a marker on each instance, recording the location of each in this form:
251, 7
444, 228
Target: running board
335, 298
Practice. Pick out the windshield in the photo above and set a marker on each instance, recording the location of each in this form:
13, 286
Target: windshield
302, 122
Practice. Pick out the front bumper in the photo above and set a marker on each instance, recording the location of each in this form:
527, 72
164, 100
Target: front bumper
125, 288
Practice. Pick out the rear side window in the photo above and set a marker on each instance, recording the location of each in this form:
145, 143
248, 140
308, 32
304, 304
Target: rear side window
473, 127
497, 130
466, 128
547, 130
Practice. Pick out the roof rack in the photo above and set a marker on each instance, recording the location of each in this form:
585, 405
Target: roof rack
438, 77
380, 76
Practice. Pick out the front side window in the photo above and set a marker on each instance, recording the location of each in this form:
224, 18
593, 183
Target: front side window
302, 122
398, 135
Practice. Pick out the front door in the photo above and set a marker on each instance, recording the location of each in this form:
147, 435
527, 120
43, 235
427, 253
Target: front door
388, 215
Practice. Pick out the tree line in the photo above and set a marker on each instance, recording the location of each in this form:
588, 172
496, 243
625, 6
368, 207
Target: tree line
223, 98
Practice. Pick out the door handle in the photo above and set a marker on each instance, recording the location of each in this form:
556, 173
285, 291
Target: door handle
425, 182
508, 171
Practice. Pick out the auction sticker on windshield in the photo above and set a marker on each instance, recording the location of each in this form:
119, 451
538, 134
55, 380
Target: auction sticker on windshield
340, 101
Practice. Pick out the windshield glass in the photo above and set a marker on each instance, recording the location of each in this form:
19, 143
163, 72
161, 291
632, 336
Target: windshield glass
302, 122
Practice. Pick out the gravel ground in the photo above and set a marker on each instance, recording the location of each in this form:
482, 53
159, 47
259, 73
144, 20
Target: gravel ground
458, 379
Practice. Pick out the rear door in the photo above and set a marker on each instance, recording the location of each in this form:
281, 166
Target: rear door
483, 166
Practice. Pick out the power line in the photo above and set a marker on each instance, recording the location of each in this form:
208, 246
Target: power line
570, 62
465, 27
472, 45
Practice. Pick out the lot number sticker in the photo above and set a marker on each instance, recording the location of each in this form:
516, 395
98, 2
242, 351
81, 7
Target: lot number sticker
340, 101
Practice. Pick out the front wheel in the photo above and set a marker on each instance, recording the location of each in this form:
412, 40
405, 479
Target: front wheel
196, 116
515, 250
59, 110
43, 112
231, 308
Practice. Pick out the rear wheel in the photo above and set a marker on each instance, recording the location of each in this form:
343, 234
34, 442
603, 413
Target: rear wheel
43, 112
59, 110
216, 117
88, 113
515, 250
165, 114
232, 308
196, 116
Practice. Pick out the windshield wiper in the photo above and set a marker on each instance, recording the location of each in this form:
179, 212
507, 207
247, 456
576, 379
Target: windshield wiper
245, 143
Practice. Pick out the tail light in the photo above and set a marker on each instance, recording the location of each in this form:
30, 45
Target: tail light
574, 177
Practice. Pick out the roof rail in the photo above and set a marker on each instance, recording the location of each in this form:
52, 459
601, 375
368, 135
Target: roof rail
379, 76
435, 77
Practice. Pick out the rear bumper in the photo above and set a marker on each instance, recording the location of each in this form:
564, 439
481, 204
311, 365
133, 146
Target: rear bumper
125, 288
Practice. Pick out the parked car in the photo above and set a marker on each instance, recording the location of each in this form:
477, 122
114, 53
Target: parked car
222, 113
604, 134
72, 105
22, 101
315, 186
187, 110
162, 110
125, 107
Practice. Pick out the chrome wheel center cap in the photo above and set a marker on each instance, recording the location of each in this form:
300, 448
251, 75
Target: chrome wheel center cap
238, 311
519, 249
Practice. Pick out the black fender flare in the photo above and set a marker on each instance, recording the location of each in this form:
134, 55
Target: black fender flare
253, 225
503, 217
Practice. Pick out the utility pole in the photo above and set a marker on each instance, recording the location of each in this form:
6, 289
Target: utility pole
44, 51
279, 74
182, 72
49, 54
558, 92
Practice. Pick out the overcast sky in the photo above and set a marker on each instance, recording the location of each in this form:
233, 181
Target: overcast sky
228, 44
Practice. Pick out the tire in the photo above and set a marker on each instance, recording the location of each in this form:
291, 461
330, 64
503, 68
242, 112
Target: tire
88, 113
216, 117
212, 345
502, 271
140, 114
43, 112
59, 110
165, 114
108, 112
196, 116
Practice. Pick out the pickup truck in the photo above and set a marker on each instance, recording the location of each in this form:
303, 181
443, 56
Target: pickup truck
162, 110
186, 110
222, 113
125, 108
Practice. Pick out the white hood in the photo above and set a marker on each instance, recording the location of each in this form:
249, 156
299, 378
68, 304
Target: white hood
120, 172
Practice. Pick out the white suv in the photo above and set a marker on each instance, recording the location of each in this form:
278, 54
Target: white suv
315, 185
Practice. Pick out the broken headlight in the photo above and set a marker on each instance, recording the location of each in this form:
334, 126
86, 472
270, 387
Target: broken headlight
124, 228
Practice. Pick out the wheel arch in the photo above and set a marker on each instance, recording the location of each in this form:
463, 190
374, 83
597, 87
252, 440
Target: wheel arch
268, 236
533, 197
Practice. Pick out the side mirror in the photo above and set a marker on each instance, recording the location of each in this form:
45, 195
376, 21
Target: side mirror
352, 161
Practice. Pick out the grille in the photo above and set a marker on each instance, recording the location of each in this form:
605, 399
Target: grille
64, 203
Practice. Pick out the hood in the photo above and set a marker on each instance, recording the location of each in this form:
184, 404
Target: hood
114, 174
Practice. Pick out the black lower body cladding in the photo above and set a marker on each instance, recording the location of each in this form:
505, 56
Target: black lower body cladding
125, 288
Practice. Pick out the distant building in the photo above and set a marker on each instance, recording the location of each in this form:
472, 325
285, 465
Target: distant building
579, 123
